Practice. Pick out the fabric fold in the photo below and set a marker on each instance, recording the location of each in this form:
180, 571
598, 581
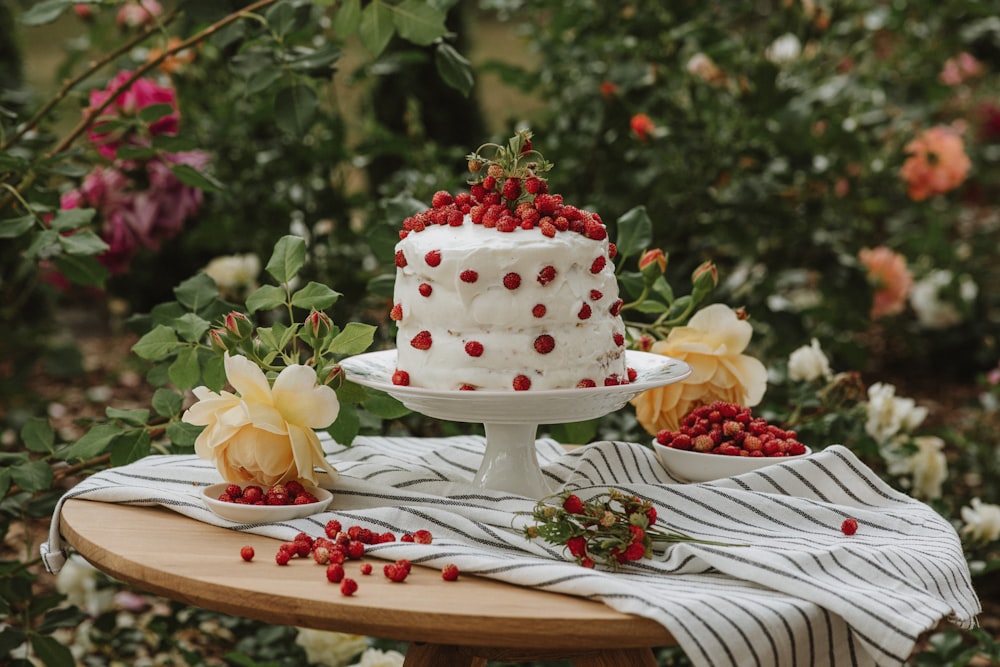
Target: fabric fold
792, 590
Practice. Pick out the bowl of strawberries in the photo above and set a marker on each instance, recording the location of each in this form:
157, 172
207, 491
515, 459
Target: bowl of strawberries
255, 503
723, 440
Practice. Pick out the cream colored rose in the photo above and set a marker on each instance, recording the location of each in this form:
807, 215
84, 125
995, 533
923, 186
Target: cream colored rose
330, 649
712, 344
889, 415
808, 363
982, 521
264, 434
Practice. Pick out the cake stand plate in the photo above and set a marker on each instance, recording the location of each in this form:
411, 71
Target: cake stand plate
511, 418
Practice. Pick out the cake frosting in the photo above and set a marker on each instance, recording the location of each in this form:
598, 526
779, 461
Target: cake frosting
499, 292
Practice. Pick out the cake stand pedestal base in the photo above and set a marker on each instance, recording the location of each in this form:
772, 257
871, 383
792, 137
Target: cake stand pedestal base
510, 462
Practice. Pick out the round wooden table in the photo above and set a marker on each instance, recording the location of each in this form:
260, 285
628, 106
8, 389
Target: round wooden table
460, 623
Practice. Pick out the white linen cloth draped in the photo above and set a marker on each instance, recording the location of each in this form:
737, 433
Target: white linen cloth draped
799, 593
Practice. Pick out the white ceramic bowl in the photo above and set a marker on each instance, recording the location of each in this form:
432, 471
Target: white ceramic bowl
263, 513
702, 467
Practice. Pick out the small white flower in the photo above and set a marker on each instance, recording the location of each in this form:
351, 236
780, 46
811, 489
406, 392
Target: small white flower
889, 415
933, 311
234, 274
330, 649
784, 49
982, 521
374, 657
928, 467
808, 363
77, 580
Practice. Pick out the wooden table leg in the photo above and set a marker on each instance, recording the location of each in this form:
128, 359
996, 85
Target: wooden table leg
625, 657
440, 655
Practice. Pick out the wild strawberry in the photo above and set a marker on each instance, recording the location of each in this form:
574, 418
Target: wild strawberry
441, 199
425, 289
282, 557
631, 372
596, 295
478, 192
573, 504
561, 223
547, 274
468, 276
612, 380
422, 536
512, 281
336, 555
321, 555
394, 572
489, 183
795, 448
595, 230
331, 528
538, 310
702, 443
348, 587
495, 170
422, 341
547, 228
584, 313
277, 495
849, 526
533, 185
616, 308
354, 532
546, 204
386, 537
253, 494
406, 537
522, 383
401, 378
612, 250
507, 223
545, 344
586, 383
405, 564
433, 258
476, 213
467, 387
512, 189
396, 314
449, 572
366, 568
234, 491
598, 264
455, 218
400, 259
246, 553
355, 549
474, 348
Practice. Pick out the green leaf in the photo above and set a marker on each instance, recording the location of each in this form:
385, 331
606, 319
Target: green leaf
294, 109
134, 417
191, 327
196, 179
351, 392
196, 292
154, 112
650, 306
354, 339
347, 18
265, 297
72, 218
385, 406
348, 425
635, 232
575, 433
315, 296
13, 227
158, 344
51, 652
93, 442
32, 476
167, 402
315, 61
661, 287
376, 27
129, 447
84, 242
182, 434
382, 285
126, 152
288, 258
454, 69
44, 12
213, 373
62, 617
632, 283
173, 143
82, 270
419, 22
37, 435
185, 371
44, 244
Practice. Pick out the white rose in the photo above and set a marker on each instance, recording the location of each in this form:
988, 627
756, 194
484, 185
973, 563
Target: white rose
234, 273
331, 649
933, 311
784, 49
888, 415
982, 521
928, 466
808, 363
374, 657
77, 580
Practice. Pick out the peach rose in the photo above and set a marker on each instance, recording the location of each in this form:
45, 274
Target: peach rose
264, 434
889, 276
712, 344
937, 163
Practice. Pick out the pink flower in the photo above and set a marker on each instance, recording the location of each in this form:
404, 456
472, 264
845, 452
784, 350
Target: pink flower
889, 276
642, 126
136, 13
141, 94
959, 69
937, 163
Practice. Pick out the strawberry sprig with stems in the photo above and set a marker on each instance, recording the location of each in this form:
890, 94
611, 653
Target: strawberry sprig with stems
611, 529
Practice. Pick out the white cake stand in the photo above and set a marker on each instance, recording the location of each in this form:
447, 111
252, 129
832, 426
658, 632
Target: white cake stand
511, 418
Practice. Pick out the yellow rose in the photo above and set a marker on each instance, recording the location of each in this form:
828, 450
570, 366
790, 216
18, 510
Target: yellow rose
712, 344
264, 434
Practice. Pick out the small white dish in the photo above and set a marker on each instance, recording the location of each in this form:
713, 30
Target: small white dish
705, 467
263, 513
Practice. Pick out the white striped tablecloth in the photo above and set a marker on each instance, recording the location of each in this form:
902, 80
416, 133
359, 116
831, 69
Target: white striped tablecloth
798, 592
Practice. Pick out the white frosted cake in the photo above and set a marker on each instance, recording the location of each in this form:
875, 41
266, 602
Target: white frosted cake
506, 293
